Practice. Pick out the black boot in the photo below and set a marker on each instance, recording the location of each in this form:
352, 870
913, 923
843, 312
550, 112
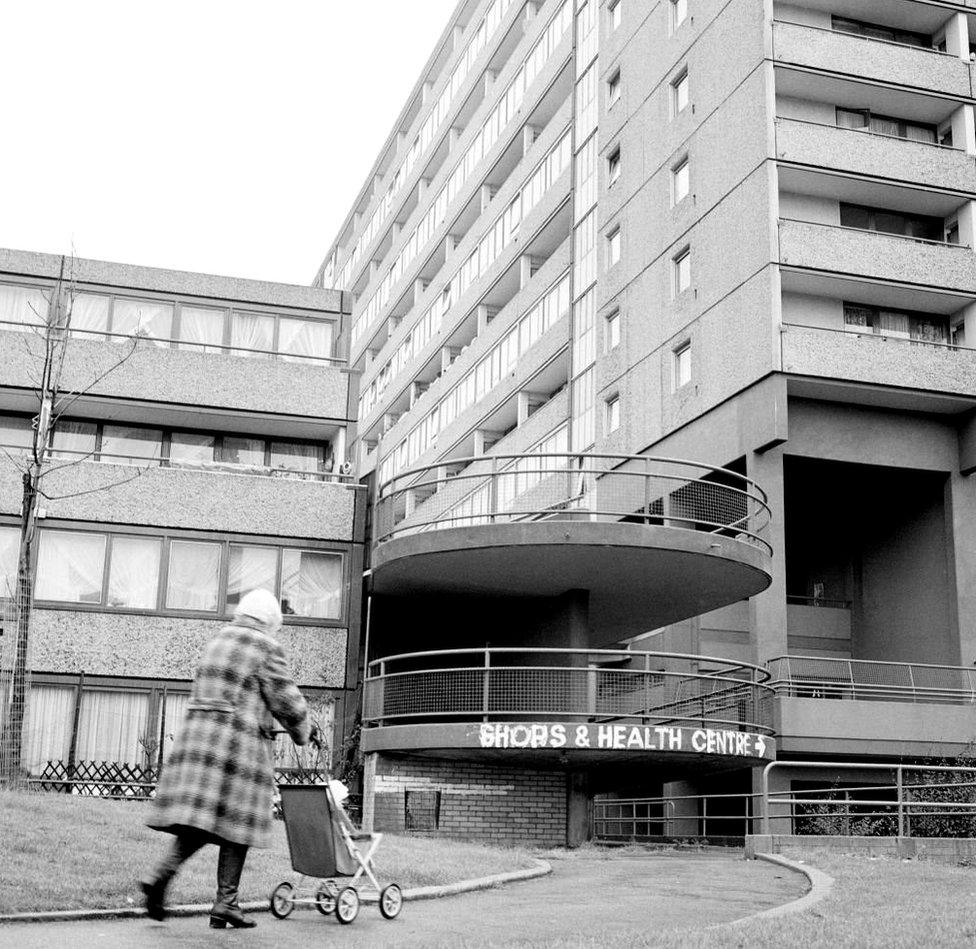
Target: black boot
154, 889
226, 910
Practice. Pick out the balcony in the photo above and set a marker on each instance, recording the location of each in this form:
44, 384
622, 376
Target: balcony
860, 57
877, 359
852, 252
182, 373
568, 705
652, 540
226, 498
863, 152
855, 706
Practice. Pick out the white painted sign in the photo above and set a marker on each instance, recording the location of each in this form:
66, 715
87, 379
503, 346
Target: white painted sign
612, 737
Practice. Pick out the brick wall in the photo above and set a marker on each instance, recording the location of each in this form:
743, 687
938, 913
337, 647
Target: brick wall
477, 801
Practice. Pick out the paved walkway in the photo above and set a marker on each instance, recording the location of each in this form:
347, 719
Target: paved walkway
604, 898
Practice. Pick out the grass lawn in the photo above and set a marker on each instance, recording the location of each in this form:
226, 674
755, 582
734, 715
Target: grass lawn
881, 903
63, 852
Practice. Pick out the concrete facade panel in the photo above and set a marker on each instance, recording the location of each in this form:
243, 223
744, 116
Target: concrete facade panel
165, 647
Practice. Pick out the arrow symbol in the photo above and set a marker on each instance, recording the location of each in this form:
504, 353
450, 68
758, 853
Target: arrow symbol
760, 745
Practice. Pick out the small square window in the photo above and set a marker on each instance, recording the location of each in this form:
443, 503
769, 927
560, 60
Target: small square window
613, 247
679, 93
613, 414
615, 9
613, 167
682, 365
680, 181
612, 335
682, 271
679, 12
613, 90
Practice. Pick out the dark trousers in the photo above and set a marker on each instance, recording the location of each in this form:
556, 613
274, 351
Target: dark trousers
230, 863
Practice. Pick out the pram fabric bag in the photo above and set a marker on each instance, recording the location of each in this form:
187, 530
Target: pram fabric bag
314, 841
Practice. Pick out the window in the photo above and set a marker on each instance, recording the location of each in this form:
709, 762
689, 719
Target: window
682, 365
679, 93
250, 332
613, 90
311, 583
16, 432
133, 576
680, 181
73, 440
899, 324
296, 456
189, 448
9, 551
194, 576
242, 451
920, 226
22, 306
70, 567
122, 443
143, 318
613, 247
682, 271
89, 311
876, 31
249, 568
201, 328
615, 8
613, 167
302, 338
679, 12
612, 335
613, 414
865, 120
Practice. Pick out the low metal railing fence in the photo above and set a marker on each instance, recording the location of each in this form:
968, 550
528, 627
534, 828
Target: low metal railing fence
870, 680
504, 489
585, 685
681, 815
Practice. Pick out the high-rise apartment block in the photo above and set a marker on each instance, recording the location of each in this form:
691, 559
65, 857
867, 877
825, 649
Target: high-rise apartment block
602, 235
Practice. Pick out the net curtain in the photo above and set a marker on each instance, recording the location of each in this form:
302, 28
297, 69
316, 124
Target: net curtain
47, 727
111, 725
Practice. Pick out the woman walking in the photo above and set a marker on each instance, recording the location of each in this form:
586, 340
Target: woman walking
217, 782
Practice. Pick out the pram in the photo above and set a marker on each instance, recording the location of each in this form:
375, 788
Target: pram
324, 846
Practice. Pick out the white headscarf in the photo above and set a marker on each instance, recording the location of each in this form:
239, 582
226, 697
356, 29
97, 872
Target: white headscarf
262, 606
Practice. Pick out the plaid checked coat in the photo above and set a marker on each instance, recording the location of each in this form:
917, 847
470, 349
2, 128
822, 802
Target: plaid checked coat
219, 775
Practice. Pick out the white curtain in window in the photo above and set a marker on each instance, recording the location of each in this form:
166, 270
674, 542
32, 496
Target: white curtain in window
884, 126
297, 338
251, 331
22, 306
201, 325
47, 727
189, 449
311, 583
893, 323
919, 133
249, 568
242, 451
122, 443
9, 550
75, 439
70, 567
133, 577
295, 456
175, 713
194, 570
89, 311
143, 318
16, 432
111, 725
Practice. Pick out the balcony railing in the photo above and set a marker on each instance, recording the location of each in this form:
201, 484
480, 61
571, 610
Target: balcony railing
583, 685
868, 680
526, 488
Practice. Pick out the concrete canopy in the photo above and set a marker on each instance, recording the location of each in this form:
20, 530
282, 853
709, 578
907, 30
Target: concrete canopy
639, 577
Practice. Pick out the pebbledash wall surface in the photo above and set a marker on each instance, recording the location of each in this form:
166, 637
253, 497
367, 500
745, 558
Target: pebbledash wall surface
211, 460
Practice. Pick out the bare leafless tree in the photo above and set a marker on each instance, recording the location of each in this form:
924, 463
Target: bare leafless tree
47, 345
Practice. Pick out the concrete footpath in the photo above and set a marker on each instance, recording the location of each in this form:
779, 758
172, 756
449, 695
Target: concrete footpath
601, 897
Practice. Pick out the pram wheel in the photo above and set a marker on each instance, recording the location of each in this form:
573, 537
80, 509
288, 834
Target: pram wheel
325, 898
347, 904
282, 900
391, 901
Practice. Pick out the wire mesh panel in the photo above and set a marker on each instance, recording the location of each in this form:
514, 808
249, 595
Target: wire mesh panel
15, 681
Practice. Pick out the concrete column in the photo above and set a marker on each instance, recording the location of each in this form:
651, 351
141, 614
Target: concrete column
578, 804
957, 36
369, 791
422, 185
453, 134
529, 134
961, 530
963, 129
395, 229
576, 604
419, 288
682, 815
489, 80
525, 270
457, 35
969, 326
401, 141
487, 193
526, 404
425, 90
966, 218
767, 610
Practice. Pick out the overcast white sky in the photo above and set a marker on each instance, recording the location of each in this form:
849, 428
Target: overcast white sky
225, 136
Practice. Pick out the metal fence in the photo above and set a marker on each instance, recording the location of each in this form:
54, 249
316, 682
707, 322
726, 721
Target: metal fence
862, 679
684, 815
597, 685
502, 489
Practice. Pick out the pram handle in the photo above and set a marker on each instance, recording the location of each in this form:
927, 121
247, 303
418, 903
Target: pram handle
314, 739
